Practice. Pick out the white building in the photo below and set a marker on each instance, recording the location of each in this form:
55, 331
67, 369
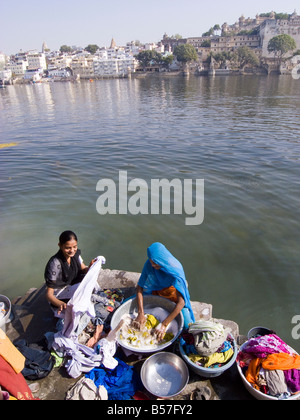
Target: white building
2, 60
84, 67
18, 68
120, 65
35, 74
36, 61
5, 75
59, 73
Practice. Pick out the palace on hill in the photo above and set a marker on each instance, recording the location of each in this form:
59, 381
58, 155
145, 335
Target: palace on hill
253, 33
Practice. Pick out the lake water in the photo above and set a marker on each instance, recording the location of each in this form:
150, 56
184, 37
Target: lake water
239, 134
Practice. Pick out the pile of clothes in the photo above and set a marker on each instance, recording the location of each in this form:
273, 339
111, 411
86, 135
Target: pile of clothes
120, 383
105, 302
208, 344
270, 366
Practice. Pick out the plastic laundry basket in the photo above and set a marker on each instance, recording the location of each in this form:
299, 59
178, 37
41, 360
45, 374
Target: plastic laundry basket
6, 318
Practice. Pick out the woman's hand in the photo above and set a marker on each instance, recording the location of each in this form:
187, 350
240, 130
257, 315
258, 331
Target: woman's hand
61, 307
92, 262
139, 321
160, 331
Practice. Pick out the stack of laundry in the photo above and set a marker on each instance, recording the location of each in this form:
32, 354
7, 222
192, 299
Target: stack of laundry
105, 302
208, 344
270, 366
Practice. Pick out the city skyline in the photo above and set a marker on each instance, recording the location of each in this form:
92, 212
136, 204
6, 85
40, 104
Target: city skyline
96, 22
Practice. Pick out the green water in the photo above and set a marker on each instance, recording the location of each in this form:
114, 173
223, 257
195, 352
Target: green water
239, 134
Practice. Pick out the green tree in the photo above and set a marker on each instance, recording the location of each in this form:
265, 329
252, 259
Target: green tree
146, 57
65, 48
176, 36
222, 57
149, 57
244, 55
185, 53
209, 33
206, 43
91, 48
217, 27
281, 45
167, 60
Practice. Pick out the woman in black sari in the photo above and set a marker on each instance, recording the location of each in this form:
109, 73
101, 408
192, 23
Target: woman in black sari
64, 271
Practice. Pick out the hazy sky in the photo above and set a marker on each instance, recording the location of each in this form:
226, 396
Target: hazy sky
25, 25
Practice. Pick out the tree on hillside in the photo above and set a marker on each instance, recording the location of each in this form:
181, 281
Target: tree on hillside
91, 48
223, 57
164, 61
281, 45
209, 33
185, 53
146, 57
216, 28
244, 56
65, 48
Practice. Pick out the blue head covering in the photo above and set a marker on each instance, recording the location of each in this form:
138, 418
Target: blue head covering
171, 273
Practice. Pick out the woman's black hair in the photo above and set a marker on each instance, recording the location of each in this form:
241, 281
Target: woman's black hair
67, 236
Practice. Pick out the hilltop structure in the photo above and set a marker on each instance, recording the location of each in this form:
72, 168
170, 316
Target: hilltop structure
272, 27
253, 33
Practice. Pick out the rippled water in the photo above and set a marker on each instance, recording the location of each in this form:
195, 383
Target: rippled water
239, 134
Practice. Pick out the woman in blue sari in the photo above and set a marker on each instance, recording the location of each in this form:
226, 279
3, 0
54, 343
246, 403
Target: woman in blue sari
163, 275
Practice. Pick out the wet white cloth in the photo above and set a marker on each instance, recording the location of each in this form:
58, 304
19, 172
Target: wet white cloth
82, 358
107, 349
81, 302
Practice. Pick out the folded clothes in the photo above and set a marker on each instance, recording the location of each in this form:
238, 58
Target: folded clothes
208, 335
216, 358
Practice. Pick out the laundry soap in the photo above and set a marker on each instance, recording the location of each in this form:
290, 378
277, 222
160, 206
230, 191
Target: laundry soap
10, 353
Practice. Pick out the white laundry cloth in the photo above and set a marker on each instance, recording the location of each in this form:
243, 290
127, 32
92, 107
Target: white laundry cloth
81, 302
107, 350
82, 358
85, 389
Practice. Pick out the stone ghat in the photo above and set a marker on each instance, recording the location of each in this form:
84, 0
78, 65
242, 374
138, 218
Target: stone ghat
32, 318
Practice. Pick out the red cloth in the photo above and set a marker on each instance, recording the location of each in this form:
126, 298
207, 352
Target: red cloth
14, 382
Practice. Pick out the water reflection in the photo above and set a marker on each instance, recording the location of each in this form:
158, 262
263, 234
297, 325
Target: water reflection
241, 134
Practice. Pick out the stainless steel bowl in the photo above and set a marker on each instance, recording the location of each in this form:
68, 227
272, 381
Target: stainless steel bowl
164, 375
150, 302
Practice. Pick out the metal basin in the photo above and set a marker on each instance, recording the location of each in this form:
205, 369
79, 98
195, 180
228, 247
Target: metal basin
129, 307
164, 375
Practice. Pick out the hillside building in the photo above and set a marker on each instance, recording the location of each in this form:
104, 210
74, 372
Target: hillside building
273, 27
